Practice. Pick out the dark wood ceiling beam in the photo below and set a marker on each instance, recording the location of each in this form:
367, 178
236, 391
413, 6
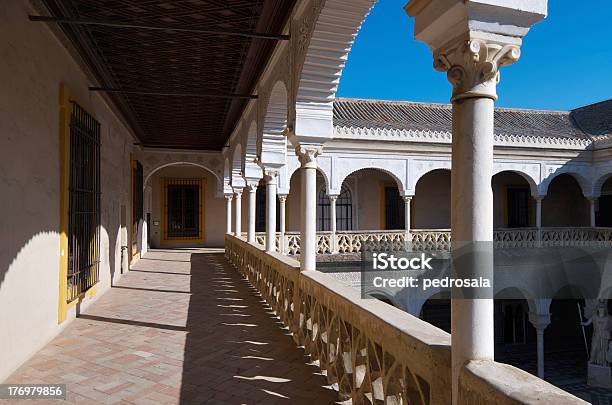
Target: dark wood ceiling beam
275, 37
172, 94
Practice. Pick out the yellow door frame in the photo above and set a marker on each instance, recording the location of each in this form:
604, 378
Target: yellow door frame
164, 183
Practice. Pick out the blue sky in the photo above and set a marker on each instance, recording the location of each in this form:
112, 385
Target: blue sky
566, 60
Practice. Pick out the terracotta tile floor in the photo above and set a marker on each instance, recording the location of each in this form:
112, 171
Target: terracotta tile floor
181, 327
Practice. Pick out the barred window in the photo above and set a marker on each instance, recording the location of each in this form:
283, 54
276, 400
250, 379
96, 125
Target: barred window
344, 211
84, 203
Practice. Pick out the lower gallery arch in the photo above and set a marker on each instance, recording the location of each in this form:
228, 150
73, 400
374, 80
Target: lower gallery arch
515, 336
564, 341
184, 200
436, 310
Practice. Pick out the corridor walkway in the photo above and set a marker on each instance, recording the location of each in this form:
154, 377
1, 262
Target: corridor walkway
181, 327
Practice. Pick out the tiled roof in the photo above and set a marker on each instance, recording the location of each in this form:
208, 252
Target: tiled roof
413, 116
594, 119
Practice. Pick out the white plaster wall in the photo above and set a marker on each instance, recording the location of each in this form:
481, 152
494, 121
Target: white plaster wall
214, 207
34, 64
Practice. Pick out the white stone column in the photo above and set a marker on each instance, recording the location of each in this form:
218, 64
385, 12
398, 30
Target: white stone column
308, 235
539, 317
471, 40
282, 198
252, 190
228, 212
472, 68
407, 219
332, 222
592, 204
270, 178
238, 212
539, 219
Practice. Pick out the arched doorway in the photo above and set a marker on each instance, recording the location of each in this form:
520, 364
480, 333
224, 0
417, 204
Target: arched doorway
513, 205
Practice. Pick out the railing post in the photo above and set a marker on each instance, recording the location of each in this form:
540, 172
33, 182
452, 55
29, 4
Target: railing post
332, 219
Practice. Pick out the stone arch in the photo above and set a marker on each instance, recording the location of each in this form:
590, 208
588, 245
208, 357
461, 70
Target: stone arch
272, 144
156, 169
320, 61
598, 184
236, 177
162, 166
420, 168
533, 182
293, 171
345, 167
583, 182
249, 165
517, 292
227, 178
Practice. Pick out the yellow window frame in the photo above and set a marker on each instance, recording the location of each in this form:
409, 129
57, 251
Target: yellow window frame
165, 182
65, 110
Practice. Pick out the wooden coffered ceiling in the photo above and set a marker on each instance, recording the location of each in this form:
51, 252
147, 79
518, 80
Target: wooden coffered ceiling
181, 71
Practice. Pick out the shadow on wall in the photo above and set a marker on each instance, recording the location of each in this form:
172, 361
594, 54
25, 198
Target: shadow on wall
236, 350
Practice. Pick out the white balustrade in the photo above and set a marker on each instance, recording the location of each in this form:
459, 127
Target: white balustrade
439, 239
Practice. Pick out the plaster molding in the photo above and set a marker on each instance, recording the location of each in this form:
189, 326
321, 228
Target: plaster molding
445, 137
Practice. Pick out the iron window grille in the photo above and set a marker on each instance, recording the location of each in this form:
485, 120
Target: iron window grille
84, 203
183, 209
344, 211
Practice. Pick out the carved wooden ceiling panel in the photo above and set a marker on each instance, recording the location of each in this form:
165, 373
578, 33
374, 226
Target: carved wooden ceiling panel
131, 53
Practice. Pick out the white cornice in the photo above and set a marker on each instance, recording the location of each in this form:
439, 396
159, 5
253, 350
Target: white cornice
445, 137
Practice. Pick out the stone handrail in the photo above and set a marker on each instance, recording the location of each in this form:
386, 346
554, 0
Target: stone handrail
439, 239
371, 352
488, 382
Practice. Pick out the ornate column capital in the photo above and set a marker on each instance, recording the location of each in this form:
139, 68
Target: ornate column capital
407, 198
251, 187
307, 155
333, 198
229, 197
472, 66
282, 197
271, 175
238, 192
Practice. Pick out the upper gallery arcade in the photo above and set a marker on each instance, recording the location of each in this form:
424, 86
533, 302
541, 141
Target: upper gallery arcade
133, 128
